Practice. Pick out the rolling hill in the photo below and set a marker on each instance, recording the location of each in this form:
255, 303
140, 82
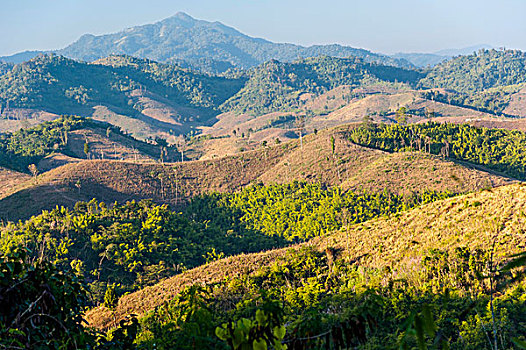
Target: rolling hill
350, 166
150, 99
72, 139
165, 97
473, 220
485, 80
284, 87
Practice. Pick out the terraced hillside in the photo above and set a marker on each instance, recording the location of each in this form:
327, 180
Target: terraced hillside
475, 220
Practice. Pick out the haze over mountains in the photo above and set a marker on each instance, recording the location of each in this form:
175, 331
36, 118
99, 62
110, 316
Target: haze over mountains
211, 46
215, 47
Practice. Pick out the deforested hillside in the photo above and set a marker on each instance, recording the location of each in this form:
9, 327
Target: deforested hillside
486, 80
275, 86
164, 96
328, 158
10, 179
72, 139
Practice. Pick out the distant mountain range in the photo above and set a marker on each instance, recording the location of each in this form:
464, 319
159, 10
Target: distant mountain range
214, 47
210, 46
165, 98
422, 60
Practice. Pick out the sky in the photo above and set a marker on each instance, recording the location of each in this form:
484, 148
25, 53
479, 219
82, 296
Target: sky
386, 26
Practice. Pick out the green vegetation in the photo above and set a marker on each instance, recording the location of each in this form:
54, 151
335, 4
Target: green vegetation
5, 67
42, 306
276, 86
497, 149
320, 300
300, 211
22, 148
27, 146
479, 71
305, 298
64, 86
138, 244
208, 46
484, 80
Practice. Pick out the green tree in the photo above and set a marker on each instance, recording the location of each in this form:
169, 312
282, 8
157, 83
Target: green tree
86, 149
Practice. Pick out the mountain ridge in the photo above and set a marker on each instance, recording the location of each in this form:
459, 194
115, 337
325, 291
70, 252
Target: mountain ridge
182, 37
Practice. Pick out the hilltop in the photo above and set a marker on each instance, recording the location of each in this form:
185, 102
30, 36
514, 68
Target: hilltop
72, 139
164, 98
285, 87
398, 242
349, 166
150, 99
486, 80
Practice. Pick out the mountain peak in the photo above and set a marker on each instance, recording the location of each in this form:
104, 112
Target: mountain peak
180, 18
183, 15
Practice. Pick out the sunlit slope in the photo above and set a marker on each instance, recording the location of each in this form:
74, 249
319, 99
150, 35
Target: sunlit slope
476, 220
313, 159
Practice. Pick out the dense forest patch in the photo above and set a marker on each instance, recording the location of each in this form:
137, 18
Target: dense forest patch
497, 149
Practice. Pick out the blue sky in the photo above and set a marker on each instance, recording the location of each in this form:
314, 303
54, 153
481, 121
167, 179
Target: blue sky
380, 25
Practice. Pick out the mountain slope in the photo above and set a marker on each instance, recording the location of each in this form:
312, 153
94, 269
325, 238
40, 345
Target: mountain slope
275, 86
422, 60
164, 96
350, 166
72, 139
473, 220
151, 99
182, 37
5, 67
209, 46
486, 80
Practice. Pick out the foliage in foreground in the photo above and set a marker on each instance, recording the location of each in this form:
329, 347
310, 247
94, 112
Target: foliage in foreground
42, 307
139, 243
324, 303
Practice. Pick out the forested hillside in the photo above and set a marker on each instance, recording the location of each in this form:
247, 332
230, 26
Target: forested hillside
498, 149
5, 67
276, 86
72, 137
142, 243
484, 80
480, 71
201, 43
409, 279
152, 99
125, 85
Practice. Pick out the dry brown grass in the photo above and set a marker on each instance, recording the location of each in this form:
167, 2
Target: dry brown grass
359, 168
351, 167
517, 105
10, 179
475, 220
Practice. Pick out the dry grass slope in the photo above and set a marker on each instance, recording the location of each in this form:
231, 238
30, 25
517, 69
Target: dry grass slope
475, 220
350, 166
